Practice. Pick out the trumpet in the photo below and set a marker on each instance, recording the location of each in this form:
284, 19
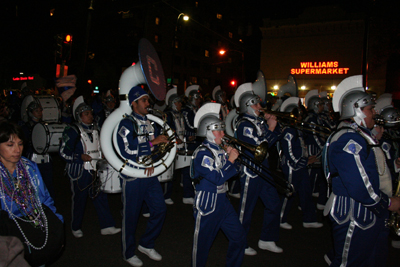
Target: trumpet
380, 120
260, 152
290, 120
164, 148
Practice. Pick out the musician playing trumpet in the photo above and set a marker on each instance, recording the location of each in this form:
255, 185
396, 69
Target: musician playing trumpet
253, 130
361, 182
136, 139
210, 170
295, 159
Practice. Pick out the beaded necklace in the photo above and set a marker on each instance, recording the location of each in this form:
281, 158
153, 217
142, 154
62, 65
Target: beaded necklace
21, 192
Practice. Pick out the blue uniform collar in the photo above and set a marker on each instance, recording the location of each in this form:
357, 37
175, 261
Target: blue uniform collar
211, 145
140, 117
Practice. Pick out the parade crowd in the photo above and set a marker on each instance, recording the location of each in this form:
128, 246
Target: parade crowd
338, 154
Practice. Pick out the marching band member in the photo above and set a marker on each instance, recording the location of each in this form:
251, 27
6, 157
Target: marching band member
219, 96
361, 185
108, 107
136, 138
211, 168
44, 161
315, 142
253, 130
295, 160
80, 147
194, 102
176, 121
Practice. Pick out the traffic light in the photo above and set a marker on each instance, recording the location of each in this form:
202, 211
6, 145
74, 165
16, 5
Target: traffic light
233, 82
89, 81
59, 45
67, 44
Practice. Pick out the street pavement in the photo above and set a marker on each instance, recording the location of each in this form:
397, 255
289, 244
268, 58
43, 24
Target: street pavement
301, 246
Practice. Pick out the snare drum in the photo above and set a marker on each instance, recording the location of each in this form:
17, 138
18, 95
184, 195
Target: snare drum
46, 138
183, 159
50, 105
167, 175
109, 178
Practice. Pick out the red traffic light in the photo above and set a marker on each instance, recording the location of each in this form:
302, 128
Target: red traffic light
89, 81
68, 38
233, 82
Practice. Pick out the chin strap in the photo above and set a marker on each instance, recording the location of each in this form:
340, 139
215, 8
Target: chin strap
251, 111
210, 136
359, 117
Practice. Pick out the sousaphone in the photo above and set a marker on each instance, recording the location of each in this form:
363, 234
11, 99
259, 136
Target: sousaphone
147, 71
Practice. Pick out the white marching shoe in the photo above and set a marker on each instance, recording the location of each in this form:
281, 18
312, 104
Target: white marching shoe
312, 225
77, 233
188, 200
250, 251
146, 215
110, 231
286, 226
169, 201
151, 252
134, 261
270, 246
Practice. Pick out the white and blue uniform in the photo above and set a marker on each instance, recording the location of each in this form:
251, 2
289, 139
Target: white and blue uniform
189, 112
77, 140
294, 166
133, 135
212, 209
254, 130
358, 205
315, 144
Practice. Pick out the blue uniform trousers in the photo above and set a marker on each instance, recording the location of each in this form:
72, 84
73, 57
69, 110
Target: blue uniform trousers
319, 184
133, 194
81, 189
251, 190
365, 247
188, 190
301, 182
207, 227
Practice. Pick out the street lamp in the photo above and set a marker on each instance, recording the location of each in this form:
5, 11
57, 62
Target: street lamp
185, 18
223, 52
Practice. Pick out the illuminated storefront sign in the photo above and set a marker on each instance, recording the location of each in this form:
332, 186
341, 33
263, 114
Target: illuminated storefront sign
23, 78
322, 67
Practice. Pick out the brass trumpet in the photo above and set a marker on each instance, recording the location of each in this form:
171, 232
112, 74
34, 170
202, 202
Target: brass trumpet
260, 152
301, 125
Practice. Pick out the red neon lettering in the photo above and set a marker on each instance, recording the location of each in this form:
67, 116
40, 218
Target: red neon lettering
308, 71
24, 78
340, 70
329, 64
336, 64
345, 70
30, 78
318, 71
329, 71
15, 79
292, 71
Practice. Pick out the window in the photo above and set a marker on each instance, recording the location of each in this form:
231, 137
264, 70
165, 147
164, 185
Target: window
157, 21
219, 16
206, 53
156, 38
230, 35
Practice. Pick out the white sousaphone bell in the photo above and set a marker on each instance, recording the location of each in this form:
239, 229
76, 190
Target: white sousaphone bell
259, 87
148, 71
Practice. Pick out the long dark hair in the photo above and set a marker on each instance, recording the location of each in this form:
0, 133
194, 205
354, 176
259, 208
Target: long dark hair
8, 129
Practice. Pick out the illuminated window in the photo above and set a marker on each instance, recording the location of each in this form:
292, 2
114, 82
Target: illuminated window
230, 35
207, 53
157, 21
219, 16
176, 44
196, 4
218, 70
156, 38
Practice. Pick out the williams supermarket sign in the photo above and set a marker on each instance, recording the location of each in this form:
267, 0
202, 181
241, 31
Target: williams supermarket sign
322, 67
